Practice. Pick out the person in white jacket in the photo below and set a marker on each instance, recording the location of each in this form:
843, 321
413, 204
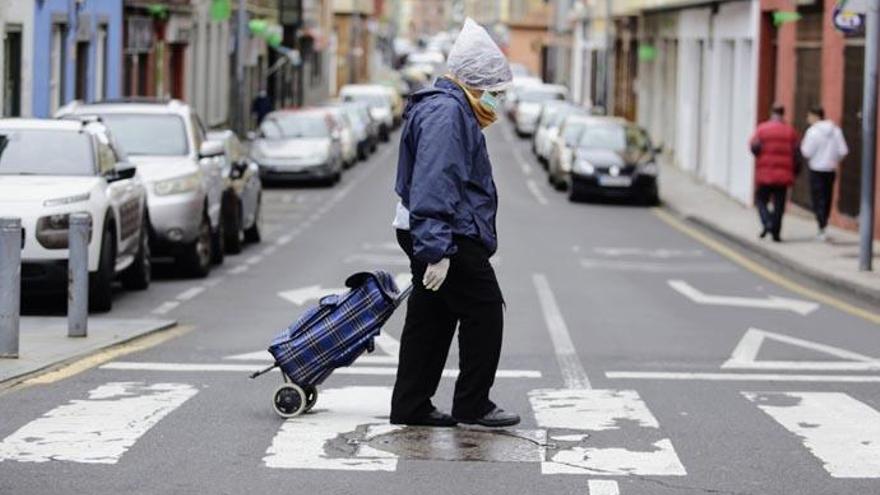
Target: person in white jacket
823, 147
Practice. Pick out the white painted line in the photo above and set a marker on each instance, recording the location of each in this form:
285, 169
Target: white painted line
287, 198
286, 238
306, 442
268, 251
739, 377
387, 344
745, 355
654, 267
99, 429
524, 165
621, 412
603, 487
252, 356
190, 293
305, 294
253, 260
378, 259
214, 282
839, 430
166, 307
403, 280
573, 373
248, 368
798, 306
661, 253
238, 269
266, 357
536, 191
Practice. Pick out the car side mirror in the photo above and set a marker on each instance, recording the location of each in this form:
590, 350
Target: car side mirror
122, 171
211, 149
238, 169
251, 136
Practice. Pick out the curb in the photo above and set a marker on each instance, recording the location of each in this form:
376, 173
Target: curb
13, 380
869, 296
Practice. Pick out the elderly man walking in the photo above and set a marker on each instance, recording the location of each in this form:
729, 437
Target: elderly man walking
446, 225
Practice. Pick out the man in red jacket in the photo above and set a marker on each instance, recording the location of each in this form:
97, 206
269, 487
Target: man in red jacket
775, 146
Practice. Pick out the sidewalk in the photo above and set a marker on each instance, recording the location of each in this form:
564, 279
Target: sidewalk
834, 263
43, 341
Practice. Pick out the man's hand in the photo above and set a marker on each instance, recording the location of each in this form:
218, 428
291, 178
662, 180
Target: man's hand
436, 274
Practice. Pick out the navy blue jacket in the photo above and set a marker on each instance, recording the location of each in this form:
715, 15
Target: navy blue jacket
444, 177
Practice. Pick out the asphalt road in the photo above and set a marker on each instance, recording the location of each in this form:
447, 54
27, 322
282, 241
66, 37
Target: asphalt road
641, 360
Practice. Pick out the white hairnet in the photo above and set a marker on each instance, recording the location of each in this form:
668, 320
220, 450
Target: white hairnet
477, 61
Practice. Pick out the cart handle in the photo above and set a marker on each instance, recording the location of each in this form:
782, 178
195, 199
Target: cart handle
264, 371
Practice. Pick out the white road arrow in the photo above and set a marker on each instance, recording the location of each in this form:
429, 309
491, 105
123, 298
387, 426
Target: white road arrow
305, 294
800, 307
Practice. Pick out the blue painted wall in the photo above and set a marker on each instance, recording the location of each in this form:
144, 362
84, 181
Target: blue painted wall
98, 11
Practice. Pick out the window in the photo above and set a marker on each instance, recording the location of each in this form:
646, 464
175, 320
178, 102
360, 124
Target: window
81, 81
58, 59
12, 72
24, 152
101, 62
148, 134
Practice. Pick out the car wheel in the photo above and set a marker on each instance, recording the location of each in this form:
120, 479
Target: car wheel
140, 273
254, 234
384, 134
651, 199
233, 228
196, 257
101, 282
218, 243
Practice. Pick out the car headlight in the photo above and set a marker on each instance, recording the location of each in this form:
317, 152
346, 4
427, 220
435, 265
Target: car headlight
649, 168
584, 167
178, 185
67, 200
53, 231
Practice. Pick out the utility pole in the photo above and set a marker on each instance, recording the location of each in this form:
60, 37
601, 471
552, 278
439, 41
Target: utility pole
606, 74
869, 136
241, 108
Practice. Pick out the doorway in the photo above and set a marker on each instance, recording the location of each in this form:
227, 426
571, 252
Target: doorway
12, 72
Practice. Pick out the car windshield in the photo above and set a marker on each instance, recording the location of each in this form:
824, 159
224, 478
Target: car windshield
614, 138
45, 152
149, 134
539, 95
572, 132
373, 99
295, 126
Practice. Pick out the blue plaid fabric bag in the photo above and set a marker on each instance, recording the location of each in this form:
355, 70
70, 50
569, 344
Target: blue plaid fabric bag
338, 330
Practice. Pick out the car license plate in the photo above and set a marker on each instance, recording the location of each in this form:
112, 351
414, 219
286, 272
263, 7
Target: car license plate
611, 181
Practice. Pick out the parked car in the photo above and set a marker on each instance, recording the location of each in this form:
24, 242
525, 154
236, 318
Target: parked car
50, 169
528, 105
166, 140
562, 149
379, 100
298, 145
366, 132
552, 114
518, 84
348, 135
242, 201
614, 157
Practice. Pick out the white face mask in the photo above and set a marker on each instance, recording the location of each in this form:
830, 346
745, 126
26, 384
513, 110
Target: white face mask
489, 101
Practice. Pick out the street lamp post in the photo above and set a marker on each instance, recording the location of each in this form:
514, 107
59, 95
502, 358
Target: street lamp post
869, 134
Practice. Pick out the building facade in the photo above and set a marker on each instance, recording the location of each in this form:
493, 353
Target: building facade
16, 58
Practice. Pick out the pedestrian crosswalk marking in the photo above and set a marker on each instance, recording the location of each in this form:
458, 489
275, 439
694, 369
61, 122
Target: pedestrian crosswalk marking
745, 355
99, 429
597, 410
312, 441
798, 306
841, 431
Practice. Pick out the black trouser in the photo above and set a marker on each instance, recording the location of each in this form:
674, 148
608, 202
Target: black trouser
821, 190
772, 220
469, 298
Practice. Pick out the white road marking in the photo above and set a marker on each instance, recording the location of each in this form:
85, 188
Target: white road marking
573, 373
250, 368
286, 238
387, 344
603, 487
99, 429
654, 267
403, 280
841, 431
382, 246
536, 192
745, 355
253, 260
266, 357
305, 294
268, 251
739, 377
165, 307
214, 282
238, 269
190, 293
524, 165
306, 442
287, 198
378, 259
604, 410
661, 253
798, 306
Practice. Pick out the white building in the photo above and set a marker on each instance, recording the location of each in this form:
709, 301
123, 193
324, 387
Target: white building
16, 57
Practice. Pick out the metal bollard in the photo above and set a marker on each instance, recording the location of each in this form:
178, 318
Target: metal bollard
78, 275
10, 285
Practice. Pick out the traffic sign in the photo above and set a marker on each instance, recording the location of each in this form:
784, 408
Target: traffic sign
848, 19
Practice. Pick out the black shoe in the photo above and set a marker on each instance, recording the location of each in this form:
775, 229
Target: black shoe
776, 238
433, 418
763, 233
495, 418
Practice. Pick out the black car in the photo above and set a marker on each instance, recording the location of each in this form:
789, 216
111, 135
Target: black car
614, 158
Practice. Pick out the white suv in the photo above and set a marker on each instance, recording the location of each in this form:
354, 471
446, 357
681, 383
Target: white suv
50, 169
183, 171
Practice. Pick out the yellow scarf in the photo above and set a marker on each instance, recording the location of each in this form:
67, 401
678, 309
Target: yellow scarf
485, 117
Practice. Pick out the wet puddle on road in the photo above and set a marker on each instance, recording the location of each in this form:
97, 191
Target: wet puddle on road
458, 444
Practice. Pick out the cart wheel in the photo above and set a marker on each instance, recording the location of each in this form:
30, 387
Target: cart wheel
289, 400
311, 397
